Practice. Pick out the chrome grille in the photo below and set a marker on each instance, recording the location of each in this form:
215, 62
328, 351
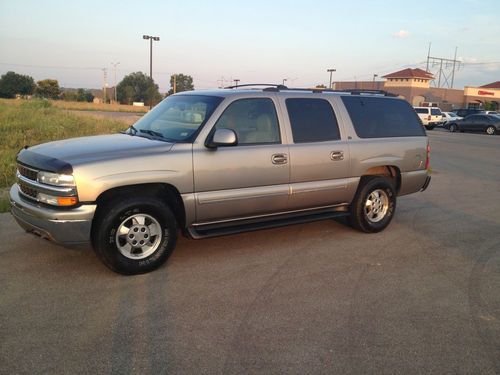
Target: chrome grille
27, 190
27, 172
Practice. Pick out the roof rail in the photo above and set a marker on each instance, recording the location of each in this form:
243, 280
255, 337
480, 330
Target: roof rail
278, 87
275, 85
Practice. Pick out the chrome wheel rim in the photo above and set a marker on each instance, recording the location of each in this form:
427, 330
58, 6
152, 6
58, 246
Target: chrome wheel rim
376, 205
138, 236
490, 130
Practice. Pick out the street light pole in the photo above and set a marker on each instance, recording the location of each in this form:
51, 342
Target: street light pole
374, 76
331, 72
156, 39
284, 80
236, 81
151, 38
114, 66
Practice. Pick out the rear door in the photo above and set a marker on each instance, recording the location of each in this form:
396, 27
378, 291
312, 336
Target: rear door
319, 157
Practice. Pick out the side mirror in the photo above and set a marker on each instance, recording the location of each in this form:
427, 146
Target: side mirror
222, 137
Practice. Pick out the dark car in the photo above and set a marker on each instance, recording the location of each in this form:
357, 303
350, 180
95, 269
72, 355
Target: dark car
464, 112
477, 123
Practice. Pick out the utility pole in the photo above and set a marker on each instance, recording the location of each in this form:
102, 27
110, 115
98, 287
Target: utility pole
453, 72
236, 81
175, 83
374, 76
428, 57
446, 70
104, 84
114, 66
331, 72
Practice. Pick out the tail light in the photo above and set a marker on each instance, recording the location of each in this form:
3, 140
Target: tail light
428, 159
429, 118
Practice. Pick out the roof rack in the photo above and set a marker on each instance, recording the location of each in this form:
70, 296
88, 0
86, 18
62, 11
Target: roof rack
278, 87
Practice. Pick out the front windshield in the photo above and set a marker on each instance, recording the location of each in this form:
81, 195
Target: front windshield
176, 118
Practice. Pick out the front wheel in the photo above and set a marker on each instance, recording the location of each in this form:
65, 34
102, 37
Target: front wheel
134, 235
430, 127
453, 128
374, 205
491, 130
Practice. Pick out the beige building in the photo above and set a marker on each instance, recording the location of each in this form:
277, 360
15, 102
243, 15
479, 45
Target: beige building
414, 86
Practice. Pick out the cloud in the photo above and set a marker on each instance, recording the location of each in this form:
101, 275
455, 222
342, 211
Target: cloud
401, 34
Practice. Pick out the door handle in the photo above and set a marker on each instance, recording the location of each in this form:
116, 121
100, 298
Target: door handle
279, 159
337, 155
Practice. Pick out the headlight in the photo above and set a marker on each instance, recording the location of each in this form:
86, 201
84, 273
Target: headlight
55, 179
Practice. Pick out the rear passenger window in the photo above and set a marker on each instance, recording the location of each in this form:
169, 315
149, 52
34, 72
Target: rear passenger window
312, 120
374, 117
421, 110
435, 112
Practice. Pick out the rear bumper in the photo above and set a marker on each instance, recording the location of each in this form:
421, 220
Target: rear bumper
426, 183
68, 227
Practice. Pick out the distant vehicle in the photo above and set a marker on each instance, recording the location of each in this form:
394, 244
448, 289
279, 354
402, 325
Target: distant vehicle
492, 113
430, 116
464, 112
477, 123
449, 117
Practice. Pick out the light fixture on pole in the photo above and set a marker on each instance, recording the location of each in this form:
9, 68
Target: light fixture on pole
114, 67
374, 76
331, 72
284, 80
236, 81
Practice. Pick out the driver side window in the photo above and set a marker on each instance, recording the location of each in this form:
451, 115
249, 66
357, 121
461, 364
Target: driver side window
254, 121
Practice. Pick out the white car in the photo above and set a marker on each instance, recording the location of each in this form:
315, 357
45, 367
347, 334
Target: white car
450, 116
492, 113
430, 116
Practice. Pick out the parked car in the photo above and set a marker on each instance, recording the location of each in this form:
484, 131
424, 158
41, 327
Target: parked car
220, 162
430, 116
464, 112
477, 123
449, 117
492, 113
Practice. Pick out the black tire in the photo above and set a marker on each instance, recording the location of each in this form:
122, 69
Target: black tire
453, 128
491, 130
359, 213
121, 212
430, 127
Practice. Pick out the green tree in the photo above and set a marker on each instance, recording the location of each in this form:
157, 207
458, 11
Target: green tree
48, 88
321, 86
182, 83
137, 87
12, 84
83, 95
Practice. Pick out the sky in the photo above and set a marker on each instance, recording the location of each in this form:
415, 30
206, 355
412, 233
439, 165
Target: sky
255, 41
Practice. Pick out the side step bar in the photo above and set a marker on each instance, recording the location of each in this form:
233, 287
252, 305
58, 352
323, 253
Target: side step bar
223, 229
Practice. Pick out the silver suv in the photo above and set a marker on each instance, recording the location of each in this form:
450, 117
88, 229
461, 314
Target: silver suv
218, 162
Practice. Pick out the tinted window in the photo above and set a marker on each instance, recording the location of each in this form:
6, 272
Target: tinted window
312, 120
422, 110
253, 120
435, 111
374, 117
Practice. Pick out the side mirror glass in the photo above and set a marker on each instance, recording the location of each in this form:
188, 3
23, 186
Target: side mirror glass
222, 137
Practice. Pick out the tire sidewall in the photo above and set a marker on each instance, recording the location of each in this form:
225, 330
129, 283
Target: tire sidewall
106, 239
375, 183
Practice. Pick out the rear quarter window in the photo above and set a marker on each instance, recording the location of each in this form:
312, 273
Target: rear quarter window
422, 110
375, 117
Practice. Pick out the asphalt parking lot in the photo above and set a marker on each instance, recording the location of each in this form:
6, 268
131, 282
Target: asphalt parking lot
320, 298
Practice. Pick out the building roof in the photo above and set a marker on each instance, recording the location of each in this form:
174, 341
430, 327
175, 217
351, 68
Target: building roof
494, 85
410, 73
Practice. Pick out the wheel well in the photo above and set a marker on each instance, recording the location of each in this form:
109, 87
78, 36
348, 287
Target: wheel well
167, 193
390, 171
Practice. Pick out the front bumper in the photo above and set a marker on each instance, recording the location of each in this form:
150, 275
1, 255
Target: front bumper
67, 227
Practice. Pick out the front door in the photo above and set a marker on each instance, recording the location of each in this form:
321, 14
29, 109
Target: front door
249, 179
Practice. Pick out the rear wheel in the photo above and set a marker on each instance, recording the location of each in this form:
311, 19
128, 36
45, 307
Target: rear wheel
430, 127
134, 235
374, 205
491, 130
453, 128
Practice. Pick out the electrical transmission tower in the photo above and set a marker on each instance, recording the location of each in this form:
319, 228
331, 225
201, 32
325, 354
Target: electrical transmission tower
443, 69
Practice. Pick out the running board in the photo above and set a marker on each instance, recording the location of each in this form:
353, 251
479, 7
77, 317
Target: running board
249, 225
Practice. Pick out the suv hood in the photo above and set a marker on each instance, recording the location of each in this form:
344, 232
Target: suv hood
60, 156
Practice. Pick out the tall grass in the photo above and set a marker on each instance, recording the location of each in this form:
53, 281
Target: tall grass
36, 121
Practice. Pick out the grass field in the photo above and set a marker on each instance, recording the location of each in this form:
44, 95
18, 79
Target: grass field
81, 106
33, 122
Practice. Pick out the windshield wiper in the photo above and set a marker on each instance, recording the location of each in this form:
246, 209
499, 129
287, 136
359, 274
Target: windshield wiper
131, 127
152, 132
